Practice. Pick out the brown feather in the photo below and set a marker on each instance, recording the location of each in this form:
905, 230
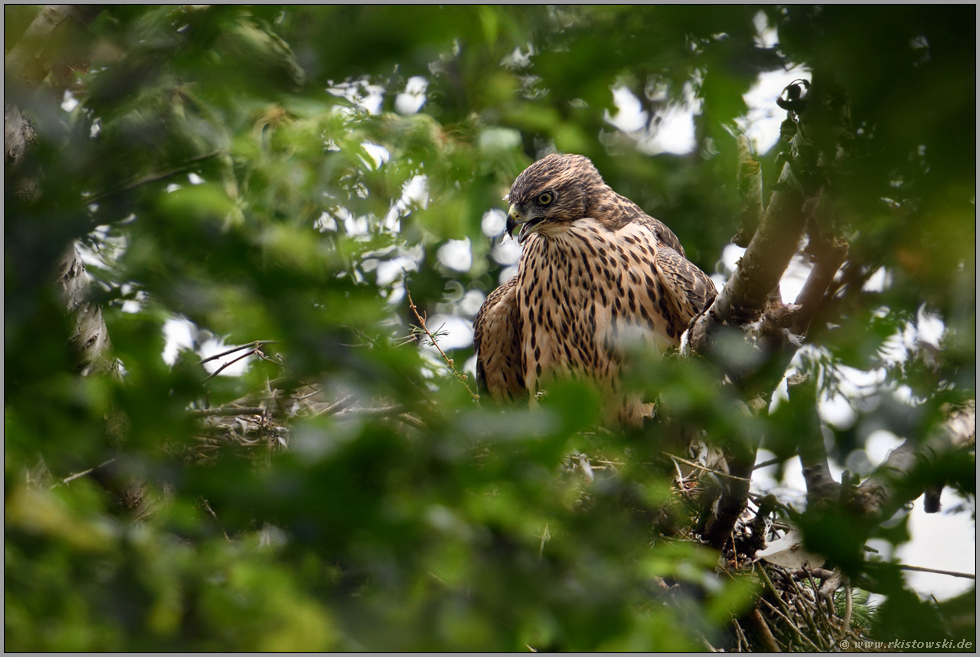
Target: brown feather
496, 337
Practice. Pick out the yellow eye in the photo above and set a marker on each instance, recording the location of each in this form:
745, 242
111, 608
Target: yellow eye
546, 198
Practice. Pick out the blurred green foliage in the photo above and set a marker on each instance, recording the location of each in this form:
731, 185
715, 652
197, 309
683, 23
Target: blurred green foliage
260, 178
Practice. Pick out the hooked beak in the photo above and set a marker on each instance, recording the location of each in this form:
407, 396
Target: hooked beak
515, 219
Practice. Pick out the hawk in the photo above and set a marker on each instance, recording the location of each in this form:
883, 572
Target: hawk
594, 271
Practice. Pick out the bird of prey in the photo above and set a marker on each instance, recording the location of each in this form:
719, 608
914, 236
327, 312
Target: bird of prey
595, 272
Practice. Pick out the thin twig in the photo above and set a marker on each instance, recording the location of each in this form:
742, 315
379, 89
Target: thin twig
706, 469
256, 349
801, 606
449, 361
207, 507
382, 411
951, 573
796, 630
411, 421
704, 640
817, 596
315, 392
250, 345
77, 475
229, 411
333, 408
133, 183
740, 636
769, 585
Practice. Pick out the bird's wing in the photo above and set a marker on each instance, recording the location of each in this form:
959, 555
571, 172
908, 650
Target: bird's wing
647, 281
496, 342
689, 290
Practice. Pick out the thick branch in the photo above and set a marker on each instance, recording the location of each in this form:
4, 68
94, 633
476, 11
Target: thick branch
888, 487
741, 302
735, 492
820, 486
752, 293
810, 299
744, 297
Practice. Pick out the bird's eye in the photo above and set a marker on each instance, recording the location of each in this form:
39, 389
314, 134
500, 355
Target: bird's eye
546, 198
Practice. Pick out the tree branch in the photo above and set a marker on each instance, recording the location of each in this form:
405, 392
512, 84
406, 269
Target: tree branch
745, 295
797, 205
820, 486
890, 486
449, 361
31, 58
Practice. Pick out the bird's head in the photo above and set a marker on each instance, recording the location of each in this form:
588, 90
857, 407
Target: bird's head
551, 193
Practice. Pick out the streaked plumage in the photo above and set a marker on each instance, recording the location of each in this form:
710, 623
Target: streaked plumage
594, 270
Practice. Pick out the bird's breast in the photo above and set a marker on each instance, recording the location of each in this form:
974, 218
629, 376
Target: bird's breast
583, 297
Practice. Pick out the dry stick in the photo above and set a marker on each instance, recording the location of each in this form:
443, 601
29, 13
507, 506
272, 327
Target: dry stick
804, 611
951, 573
207, 507
251, 345
75, 476
382, 411
772, 589
449, 361
742, 641
766, 464
817, 596
706, 469
411, 421
828, 616
796, 630
704, 640
762, 627
256, 349
316, 391
333, 408
229, 411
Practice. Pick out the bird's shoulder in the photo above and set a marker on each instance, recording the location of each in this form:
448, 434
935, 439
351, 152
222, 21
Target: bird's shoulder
689, 290
617, 213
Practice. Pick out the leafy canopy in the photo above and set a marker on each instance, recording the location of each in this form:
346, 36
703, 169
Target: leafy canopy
287, 174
